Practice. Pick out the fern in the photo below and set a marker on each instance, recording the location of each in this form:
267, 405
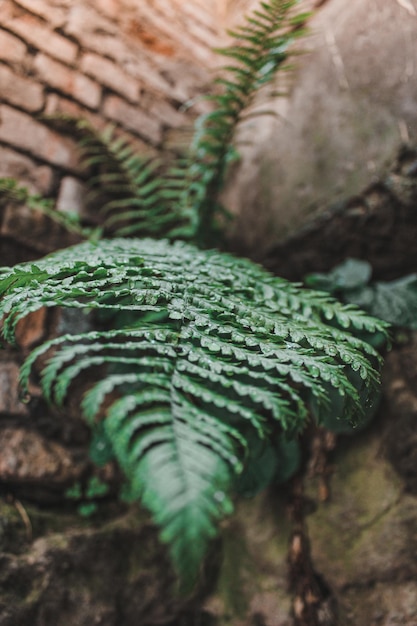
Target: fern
130, 194
262, 47
207, 355
351, 281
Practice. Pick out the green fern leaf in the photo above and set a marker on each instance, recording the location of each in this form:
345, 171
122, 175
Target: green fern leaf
207, 354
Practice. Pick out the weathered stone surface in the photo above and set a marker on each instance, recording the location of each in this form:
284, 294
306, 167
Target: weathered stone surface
384, 604
68, 81
82, 573
28, 458
252, 586
133, 118
22, 92
365, 493
12, 49
351, 104
360, 227
364, 539
10, 402
400, 442
22, 131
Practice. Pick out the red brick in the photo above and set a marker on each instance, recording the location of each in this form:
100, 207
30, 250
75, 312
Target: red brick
84, 20
201, 15
29, 457
20, 91
56, 104
53, 15
31, 329
170, 22
108, 7
98, 35
10, 402
38, 179
133, 119
36, 33
68, 81
71, 197
111, 76
165, 112
21, 131
148, 75
107, 46
184, 81
11, 48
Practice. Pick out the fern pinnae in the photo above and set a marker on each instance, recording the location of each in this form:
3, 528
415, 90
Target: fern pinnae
65, 377
217, 429
183, 468
94, 398
257, 368
193, 369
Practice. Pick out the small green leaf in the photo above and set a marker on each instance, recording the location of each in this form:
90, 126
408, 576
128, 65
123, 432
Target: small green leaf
74, 492
87, 509
101, 449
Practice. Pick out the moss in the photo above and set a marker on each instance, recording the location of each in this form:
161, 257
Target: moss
364, 489
252, 582
236, 568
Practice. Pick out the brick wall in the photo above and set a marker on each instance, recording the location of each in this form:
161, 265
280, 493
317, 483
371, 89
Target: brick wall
125, 62
130, 62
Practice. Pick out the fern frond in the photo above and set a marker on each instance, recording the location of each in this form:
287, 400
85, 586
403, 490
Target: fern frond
261, 48
207, 353
125, 181
126, 191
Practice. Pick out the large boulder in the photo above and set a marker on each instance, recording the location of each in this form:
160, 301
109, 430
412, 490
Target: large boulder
352, 102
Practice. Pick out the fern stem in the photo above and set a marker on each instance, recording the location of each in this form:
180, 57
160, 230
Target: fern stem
258, 60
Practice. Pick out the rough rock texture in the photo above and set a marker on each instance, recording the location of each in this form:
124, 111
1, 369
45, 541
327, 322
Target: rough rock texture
30, 461
252, 588
351, 103
362, 538
379, 224
68, 573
